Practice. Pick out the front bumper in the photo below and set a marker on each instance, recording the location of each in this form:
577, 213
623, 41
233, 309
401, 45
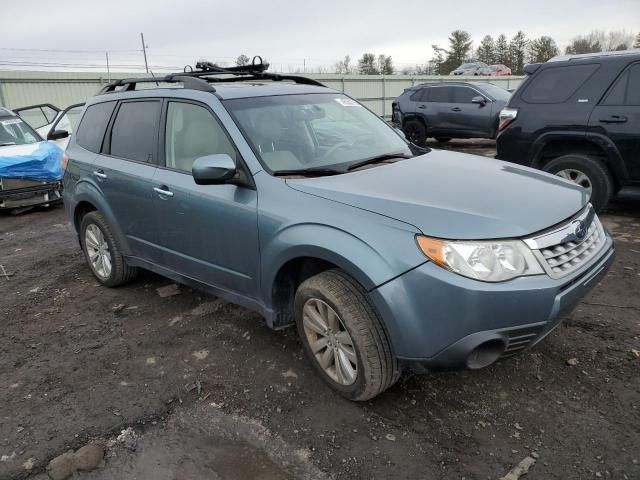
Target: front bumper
28, 193
436, 318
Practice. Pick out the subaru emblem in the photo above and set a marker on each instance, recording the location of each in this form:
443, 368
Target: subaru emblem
581, 230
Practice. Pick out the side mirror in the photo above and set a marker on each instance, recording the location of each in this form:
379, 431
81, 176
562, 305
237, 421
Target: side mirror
213, 169
57, 135
480, 100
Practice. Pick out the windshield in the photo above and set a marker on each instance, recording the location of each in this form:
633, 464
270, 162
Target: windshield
14, 131
468, 65
496, 92
313, 131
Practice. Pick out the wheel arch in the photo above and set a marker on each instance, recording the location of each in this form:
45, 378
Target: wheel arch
87, 198
556, 144
306, 250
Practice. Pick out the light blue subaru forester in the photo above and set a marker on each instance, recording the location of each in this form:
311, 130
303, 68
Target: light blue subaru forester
292, 199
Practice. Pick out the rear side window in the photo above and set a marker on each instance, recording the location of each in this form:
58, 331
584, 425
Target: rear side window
418, 95
557, 84
133, 135
439, 95
626, 90
93, 125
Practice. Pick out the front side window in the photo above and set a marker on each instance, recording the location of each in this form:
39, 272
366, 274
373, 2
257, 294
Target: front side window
626, 90
464, 94
133, 134
14, 131
298, 132
557, 84
192, 132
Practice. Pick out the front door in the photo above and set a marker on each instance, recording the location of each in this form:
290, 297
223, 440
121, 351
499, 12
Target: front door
124, 172
618, 117
467, 118
207, 232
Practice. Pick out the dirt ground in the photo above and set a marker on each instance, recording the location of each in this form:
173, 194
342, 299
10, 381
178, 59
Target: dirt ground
205, 383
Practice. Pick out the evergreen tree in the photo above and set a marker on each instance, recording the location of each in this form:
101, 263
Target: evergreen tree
486, 50
367, 64
501, 50
518, 52
637, 42
459, 49
542, 49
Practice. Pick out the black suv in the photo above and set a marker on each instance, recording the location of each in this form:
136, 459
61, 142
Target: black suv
579, 117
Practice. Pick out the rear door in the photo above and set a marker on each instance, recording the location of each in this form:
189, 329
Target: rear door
209, 232
124, 172
433, 105
618, 117
467, 118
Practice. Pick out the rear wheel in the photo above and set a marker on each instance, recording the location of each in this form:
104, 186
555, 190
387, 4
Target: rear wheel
589, 173
343, 336
102, 252
415, 131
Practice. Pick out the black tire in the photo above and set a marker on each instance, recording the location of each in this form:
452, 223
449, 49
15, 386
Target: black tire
442, 139
415, 131
599, 176
377, 369
121, 273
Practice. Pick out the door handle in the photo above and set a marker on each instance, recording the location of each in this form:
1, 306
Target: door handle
614, 119
163, 191
456, 109
100, 174
422, 106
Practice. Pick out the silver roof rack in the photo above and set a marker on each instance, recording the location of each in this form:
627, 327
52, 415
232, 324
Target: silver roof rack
564, 58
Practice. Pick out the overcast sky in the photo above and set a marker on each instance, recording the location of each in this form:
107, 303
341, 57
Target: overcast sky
284, 32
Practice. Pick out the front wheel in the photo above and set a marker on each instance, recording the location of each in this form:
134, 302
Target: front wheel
343, 336
589, 173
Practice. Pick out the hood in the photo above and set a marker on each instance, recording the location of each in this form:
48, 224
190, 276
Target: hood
455, 196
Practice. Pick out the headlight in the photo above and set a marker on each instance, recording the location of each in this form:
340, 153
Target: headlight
491, 261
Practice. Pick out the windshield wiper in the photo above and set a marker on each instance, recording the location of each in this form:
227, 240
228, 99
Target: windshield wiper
378, 158
319, 171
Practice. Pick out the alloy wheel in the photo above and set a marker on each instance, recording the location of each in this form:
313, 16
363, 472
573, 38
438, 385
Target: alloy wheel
329, 341
98, 251
576, 176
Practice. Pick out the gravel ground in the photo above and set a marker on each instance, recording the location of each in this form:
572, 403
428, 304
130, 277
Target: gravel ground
81, 362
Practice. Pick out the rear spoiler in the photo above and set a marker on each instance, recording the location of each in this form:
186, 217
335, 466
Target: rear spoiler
531, 68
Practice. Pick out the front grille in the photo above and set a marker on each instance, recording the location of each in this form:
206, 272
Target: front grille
565, 258
568, 248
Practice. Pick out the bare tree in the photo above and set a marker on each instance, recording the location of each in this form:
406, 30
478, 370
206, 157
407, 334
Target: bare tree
242, 60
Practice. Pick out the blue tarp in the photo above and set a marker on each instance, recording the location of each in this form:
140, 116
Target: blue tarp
43, 163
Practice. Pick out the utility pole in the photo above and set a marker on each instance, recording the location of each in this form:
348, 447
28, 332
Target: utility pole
144, 52
304, 65
108, 71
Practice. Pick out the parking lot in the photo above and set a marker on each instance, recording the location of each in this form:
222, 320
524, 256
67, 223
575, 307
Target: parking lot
188, 372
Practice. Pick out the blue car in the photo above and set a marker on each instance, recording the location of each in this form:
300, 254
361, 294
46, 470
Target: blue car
291, 199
